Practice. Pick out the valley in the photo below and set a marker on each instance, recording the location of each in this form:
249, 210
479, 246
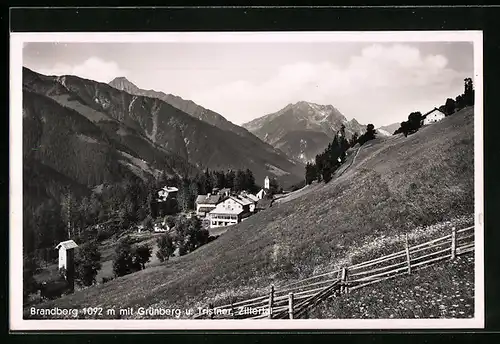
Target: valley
416, 182
210, 176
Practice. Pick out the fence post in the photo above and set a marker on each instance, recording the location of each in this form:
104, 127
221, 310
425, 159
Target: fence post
407, 247
271, 301
453, 242
343, 289
345, 280
290, 305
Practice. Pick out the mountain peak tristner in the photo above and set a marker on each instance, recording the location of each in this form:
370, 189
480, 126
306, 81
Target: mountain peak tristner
124, 84
302, 129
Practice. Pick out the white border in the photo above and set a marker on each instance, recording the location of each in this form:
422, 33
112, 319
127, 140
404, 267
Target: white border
16, 265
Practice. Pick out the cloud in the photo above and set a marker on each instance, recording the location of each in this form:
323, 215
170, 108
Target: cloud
93, 68
390, 80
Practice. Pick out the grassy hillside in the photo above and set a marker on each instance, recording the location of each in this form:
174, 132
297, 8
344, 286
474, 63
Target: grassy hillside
439, 291
394, 185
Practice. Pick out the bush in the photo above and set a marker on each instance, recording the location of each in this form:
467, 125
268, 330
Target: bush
169, 221
311, 173
107, 230
103, 234
30, 286
414, 122
189, 235
169, 207
142, 254
326, 174
87, 263
148, 223
370, 134
449, 107
53, 289
125, 261
274, 187
166, 247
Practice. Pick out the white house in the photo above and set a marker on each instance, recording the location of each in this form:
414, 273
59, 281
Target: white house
249, 198
229, 212
247, 204
252, 197
206, 203
66, 253
261, 194
224, 216
161, 226
166, 192
433, 116
224, 192
67, 260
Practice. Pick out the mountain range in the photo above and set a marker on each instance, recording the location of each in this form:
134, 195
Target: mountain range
187, 106
303, 129
82, 133
389, 129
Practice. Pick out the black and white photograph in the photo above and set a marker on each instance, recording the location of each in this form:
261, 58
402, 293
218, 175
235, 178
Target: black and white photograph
246, 180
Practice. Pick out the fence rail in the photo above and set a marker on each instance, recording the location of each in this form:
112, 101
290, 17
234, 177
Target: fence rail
294, 300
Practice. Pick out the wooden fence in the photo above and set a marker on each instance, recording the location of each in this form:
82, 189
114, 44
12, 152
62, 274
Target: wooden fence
294, 300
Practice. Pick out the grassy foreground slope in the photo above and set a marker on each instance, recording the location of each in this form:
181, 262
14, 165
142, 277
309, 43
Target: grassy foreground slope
439, 291
394, 185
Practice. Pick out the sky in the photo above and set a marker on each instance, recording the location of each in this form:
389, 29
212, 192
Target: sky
373, 82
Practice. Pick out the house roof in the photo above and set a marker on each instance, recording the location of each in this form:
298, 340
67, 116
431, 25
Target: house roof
252, 197
228, 211
241, 200
169, 189
435, 109
68, 244
205, 199
247, 199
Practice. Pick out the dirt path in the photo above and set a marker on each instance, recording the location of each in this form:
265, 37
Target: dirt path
352, 162
313, 187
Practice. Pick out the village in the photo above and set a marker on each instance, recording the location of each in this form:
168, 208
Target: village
219, 208
216, 211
